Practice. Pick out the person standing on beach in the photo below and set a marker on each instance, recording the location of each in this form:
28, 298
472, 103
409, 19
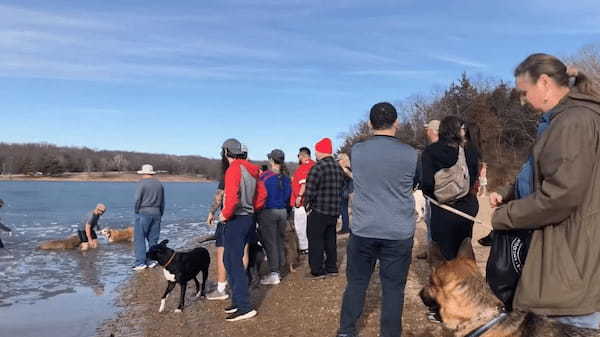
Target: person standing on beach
383, 222
86, 232
149, 209
244, 196
448, 230
322, 202
347, 189
273, 218
297, 199
2, 226
432, 130
555, 195
219, 293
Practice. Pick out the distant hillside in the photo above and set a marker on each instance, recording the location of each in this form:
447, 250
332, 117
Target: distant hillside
52, 160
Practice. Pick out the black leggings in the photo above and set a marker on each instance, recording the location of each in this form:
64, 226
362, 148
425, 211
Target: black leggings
449, 230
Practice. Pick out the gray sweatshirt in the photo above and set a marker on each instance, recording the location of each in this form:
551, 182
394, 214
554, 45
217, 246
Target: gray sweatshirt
150, 197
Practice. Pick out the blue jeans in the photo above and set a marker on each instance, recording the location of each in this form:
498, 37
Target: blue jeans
427, 218
345, 215
591, 321
147, 228
237, 234
394, 260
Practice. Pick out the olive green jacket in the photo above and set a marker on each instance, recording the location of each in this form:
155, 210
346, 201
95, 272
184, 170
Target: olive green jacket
561, 275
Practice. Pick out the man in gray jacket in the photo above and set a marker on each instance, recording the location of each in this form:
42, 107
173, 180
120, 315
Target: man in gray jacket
149, 208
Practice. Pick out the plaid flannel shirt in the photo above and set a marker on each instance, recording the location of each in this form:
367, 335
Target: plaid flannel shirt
324, 187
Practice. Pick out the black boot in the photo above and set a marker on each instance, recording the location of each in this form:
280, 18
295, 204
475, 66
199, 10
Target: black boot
486, 240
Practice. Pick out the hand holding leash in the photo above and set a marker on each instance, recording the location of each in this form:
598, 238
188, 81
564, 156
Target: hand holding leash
210, 219
495, 199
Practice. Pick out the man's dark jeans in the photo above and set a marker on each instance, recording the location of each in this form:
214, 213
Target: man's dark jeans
237, 233
345, 203
321, 234
394, 260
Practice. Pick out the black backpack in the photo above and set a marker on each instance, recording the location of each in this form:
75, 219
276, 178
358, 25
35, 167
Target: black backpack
505, 263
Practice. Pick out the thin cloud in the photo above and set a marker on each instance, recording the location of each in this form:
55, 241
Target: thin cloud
11, 16
394, 73
458, 61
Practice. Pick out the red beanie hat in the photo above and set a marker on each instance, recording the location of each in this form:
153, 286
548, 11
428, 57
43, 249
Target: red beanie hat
324, 146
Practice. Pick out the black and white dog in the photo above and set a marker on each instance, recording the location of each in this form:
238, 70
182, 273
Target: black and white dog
180, 267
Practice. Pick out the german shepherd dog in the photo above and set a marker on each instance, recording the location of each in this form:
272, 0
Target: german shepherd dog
180, 268
467, 306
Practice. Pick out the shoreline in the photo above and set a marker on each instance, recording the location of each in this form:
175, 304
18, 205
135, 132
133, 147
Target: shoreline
103, 177
295, 307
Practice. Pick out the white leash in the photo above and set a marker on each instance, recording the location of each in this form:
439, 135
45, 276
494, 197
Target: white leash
453, 210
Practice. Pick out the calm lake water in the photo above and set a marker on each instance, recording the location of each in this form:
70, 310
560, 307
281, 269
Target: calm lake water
69, 293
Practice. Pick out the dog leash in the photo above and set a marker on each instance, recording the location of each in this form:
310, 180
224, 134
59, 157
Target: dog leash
453, 210
486, 327
170, 260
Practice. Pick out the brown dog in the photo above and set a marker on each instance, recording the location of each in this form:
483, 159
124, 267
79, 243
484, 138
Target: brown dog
70, 242
458, 291
291, 248
118, 235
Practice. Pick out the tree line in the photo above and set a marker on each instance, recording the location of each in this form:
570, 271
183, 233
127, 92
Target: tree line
52, 160
508, 129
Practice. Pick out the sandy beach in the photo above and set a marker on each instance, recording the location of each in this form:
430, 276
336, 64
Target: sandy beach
102, 177
295, 308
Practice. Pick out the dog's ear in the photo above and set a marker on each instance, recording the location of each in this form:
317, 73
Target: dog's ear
164, 243
435, 256
466, 250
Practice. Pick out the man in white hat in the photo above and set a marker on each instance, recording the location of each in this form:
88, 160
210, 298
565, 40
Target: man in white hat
149, 209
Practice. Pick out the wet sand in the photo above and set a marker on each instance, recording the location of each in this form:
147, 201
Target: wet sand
295, 308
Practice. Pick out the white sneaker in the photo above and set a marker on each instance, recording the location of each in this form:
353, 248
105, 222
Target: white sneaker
271, 280
153, 264
217, 295
140, 267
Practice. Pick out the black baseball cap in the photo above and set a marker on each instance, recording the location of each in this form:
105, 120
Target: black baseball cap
276, 155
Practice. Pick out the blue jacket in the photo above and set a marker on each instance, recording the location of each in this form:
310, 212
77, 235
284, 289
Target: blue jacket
279, 190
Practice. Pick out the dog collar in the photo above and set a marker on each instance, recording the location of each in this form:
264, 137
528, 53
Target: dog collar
170, 260
483, 329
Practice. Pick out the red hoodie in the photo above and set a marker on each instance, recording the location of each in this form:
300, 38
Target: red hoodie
244, 192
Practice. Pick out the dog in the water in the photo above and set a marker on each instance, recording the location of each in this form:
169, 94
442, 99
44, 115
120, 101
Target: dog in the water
466, 304
70, 242
118, 235
179, 268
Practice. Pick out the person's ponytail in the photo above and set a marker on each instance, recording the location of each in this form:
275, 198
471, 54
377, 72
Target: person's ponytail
583, 84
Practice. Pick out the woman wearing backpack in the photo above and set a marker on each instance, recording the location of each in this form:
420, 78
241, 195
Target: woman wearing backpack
273, 218
449, 175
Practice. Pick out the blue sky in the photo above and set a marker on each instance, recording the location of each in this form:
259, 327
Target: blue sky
181, 76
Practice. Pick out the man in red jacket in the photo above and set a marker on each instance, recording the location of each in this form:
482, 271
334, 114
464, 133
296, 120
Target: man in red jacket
244, 195
297, 199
